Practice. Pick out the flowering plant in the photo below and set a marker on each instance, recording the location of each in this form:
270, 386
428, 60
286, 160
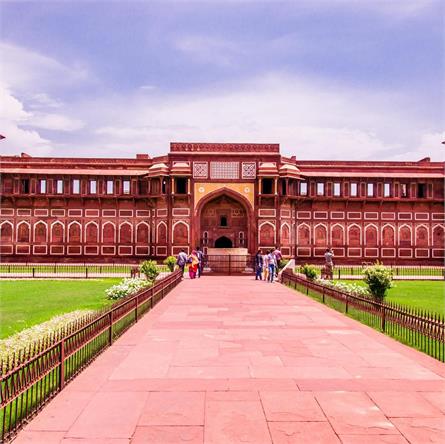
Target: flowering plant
351, 288
126, 288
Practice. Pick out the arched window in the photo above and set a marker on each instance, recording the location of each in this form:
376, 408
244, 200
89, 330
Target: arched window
337, 236
125, 234
23, 232
320, 236
40, 234
74, 233
91, 236
143, 233
109, 233
371, 236
422, 237
304, 235
6, 233
57, 233
438, 236
405, 236
388, 238
354, 236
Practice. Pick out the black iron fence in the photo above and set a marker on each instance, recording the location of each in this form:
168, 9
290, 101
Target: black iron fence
30, 378
414, 272
229, 264
69, 271
418, 328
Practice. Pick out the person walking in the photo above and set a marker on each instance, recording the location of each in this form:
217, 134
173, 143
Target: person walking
193, 262
266, 266
258, 265
200, 256
181, 260
272, 266
329, 263
278, 257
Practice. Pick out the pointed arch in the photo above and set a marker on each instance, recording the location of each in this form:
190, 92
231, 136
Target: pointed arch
321, 235
143, 233
303, 235
161, 233
388, 236
125, 233
91, 233
57, 234
40, 232
109, 233
74, 233
267, 233
438, 236
285, 234
23, 232
6, 230
422, 236
371, 235
337, 235
180, 233
354, 235
405, 236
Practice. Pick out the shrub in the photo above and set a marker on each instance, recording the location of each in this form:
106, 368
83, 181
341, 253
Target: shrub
354, 289
379, 280
310, 271
126, 288
150, 269
170, 262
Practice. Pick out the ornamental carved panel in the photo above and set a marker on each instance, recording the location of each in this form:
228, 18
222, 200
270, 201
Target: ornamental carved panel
249, 170
200, 170
224, 170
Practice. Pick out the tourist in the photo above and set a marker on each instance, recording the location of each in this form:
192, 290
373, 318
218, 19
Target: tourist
181, 260
258, 265
278, 257
193, 262
329, 263
266, 266
272, 265
200, 256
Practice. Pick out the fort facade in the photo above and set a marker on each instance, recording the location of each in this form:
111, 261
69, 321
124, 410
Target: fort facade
220, 195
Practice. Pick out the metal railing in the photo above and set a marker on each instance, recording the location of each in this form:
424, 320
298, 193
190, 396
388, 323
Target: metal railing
418, 328
228, 264
32, 377
69, 271
400, 272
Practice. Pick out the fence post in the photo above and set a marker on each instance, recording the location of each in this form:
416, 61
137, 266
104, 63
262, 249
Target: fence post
347, 303
33, 271
323, 295
110, 329
136, 309
86, 272
230, 265
383, 310
62, 365
339, 273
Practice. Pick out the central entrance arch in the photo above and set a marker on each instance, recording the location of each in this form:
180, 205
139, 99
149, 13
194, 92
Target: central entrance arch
224, 219
223, 242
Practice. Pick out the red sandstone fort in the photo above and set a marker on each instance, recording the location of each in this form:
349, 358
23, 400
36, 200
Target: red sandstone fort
220, 195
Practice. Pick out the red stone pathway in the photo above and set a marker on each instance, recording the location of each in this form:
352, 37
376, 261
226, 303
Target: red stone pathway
230, 360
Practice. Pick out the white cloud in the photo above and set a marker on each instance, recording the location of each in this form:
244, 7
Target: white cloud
55, 122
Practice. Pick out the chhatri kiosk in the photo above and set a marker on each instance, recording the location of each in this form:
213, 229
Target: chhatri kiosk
224, 197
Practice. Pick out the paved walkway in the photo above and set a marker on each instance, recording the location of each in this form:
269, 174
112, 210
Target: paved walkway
230, 360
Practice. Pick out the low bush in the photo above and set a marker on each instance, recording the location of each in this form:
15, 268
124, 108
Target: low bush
170, 262
127, 287
150, 269
310, 271
351, 288
379, 280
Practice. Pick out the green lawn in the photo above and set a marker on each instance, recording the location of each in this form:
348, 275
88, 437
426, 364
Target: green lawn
427, 295
27, 303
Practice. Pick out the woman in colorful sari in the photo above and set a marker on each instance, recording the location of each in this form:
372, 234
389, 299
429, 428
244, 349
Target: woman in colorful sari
193, 263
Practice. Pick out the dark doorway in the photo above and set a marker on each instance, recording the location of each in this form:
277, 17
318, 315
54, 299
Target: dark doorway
223, 242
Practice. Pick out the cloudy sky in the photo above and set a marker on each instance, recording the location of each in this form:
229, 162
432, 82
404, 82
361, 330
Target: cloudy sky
333, 79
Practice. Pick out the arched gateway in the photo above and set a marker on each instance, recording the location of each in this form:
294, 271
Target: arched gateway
224, 221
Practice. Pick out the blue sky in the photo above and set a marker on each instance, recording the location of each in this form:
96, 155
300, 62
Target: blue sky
326, 79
